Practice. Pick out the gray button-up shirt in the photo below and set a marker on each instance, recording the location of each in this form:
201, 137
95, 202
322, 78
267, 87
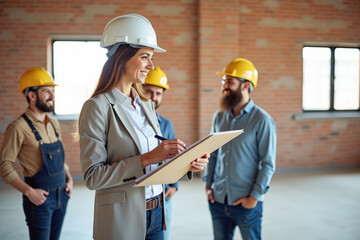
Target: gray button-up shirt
245, 165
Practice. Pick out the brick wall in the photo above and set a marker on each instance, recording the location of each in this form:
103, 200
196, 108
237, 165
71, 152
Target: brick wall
201, 38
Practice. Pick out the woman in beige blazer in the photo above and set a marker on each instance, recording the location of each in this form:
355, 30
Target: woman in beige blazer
117, 127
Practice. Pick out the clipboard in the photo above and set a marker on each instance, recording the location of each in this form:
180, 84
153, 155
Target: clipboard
178, 166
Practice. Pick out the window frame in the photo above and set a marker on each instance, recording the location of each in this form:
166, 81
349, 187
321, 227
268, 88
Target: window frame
325, 114
50, 61
332, 81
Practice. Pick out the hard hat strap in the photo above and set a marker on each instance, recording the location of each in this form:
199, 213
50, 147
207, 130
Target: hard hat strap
242, 79
27, 90
117, 45
251, 86
137, 46
113, 49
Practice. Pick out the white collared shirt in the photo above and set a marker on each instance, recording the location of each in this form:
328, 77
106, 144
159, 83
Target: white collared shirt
144, 131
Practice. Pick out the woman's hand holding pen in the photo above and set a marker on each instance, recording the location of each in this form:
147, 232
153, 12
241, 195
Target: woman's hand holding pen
167, 149
170, 148
199, 164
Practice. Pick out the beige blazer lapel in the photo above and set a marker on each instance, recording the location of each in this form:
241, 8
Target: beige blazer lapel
123, 118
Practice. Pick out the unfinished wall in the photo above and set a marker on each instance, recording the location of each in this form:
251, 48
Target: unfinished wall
201, 38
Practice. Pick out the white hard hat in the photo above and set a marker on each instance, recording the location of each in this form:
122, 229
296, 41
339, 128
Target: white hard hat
132, 29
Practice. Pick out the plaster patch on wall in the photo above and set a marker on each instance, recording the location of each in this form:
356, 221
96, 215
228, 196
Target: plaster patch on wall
175, 74
229, 56
288, 82
19, 14
339, 4
164, 10
339, 124
231, 27
174, 22
263, 43
225, 58
207, 52
6, 35
92, 10
206, 129
305, 147
207, 90
271, 3
301, 5
206, 32
306, 22
206, 60
33, 18
244, 9
179, 90
306, 127
188, 1
333, 150
184, 38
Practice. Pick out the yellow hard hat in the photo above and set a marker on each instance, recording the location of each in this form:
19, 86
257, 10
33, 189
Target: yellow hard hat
241, 68
35, 76
158, 78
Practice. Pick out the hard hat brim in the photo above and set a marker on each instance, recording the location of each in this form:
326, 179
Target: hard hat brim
159, 50
223, 73
156, 48
166, 87
22, 90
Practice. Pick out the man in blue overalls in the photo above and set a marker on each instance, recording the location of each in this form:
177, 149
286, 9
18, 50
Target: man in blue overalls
155, 85
34, 140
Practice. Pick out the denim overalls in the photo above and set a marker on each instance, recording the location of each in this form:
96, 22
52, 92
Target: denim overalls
45, 221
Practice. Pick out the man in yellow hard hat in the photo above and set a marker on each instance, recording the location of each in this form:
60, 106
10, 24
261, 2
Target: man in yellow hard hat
238, 174
156, 83
34, 139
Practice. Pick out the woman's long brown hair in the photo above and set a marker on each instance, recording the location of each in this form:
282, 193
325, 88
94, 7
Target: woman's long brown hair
113, 68
110, 76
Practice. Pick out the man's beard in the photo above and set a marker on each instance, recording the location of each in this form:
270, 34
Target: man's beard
228, 102
156, 104
42, 105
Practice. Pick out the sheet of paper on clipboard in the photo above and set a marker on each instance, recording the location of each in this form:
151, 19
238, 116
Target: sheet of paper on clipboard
178, 166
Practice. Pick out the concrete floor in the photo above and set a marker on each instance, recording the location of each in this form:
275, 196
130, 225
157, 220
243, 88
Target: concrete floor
311, 206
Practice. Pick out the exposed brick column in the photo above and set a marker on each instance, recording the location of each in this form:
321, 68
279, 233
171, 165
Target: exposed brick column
218, 45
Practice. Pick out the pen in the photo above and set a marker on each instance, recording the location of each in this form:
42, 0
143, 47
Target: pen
160, 138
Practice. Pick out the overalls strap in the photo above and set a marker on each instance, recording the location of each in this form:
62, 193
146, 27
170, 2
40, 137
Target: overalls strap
52, 174
38, 138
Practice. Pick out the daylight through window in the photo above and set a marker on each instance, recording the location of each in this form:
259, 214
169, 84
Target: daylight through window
76, 68
331, 78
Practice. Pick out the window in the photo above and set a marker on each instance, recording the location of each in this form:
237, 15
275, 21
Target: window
76, 69
331, 79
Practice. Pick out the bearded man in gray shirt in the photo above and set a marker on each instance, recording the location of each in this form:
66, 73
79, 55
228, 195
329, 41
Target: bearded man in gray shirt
239, 173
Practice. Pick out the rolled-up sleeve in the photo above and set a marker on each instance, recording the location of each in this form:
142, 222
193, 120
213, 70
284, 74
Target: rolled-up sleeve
10, 148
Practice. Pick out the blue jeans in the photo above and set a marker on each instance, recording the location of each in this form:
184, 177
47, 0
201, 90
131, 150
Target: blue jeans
168, 208
45, 221
225, 218
154, 223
